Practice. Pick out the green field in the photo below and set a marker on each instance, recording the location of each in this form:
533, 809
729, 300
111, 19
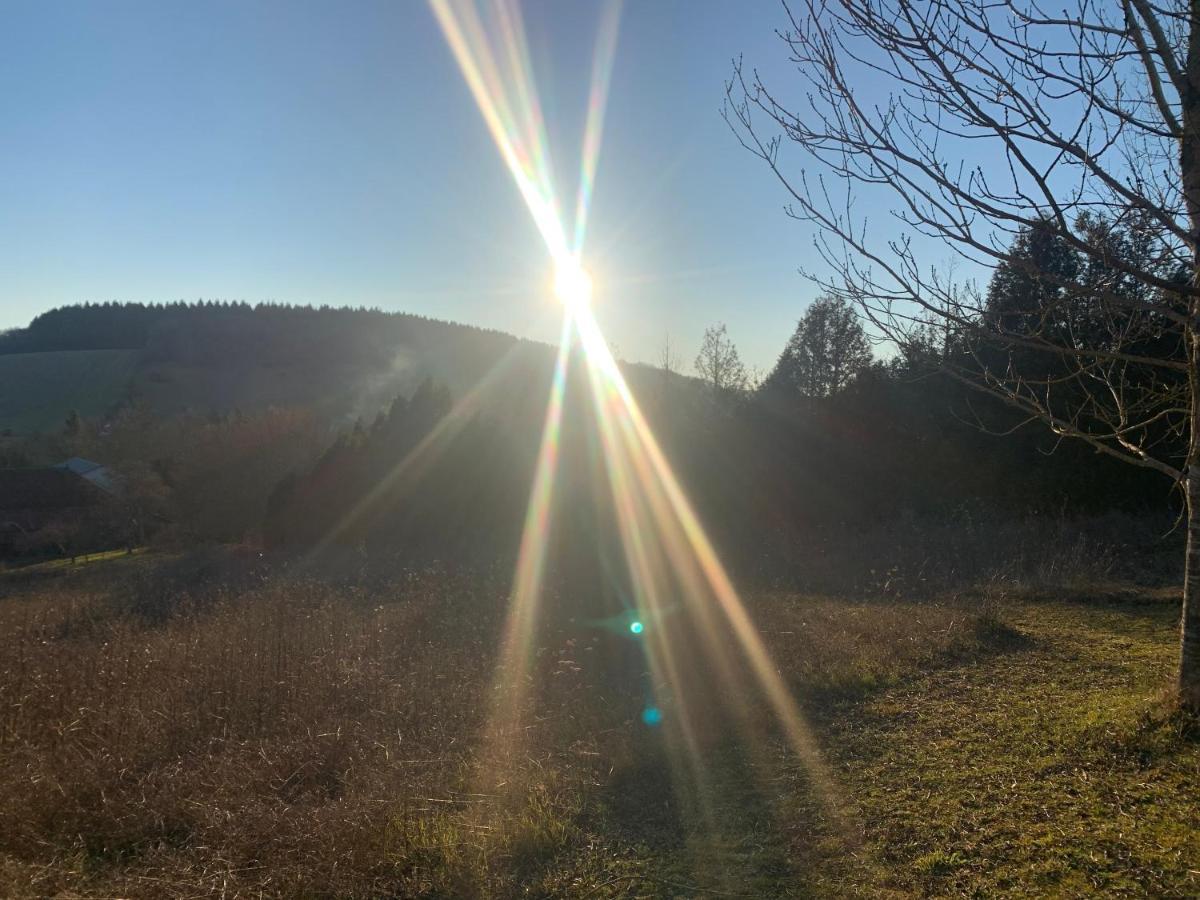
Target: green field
341, 391
38, 390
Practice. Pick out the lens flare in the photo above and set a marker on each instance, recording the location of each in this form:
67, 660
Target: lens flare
572, 285
531, 560
668, 554
602, 61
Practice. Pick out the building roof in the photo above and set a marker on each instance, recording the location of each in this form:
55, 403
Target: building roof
79, 465
98, 474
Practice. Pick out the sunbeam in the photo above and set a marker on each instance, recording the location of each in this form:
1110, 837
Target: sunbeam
531, 558
643, 447
665, 546
417, 460
508, 103
602, 65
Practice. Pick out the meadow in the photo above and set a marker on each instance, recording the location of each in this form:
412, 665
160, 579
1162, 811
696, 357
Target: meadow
216, 723
41, 389
896, 604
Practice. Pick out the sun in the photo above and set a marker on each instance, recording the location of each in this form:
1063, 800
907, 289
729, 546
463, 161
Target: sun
572, 285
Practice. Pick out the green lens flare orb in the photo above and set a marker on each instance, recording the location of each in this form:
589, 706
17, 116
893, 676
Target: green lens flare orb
652, 716
637, 627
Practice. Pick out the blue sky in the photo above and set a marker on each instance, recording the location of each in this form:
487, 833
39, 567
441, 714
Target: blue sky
331, 153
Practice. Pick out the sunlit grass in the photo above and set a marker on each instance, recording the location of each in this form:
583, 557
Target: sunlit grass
1053, 770
83, 559
302, 737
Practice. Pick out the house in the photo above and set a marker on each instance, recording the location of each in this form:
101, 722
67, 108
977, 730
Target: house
51, 507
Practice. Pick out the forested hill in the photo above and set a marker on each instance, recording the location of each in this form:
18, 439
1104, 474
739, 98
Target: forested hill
219, 356
274, 328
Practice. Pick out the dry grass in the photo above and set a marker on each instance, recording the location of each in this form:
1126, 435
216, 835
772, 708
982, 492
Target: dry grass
204, 726
921, 557
263, 737
176, 730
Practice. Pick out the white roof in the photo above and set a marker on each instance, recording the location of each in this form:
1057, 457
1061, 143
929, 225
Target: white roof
97, 474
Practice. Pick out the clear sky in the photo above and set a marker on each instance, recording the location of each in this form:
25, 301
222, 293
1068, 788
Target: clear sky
331, 153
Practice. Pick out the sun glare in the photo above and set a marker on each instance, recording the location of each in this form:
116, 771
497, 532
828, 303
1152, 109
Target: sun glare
665, 546
572, 285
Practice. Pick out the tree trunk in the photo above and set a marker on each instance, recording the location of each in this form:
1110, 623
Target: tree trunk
1189, 629
1189, 158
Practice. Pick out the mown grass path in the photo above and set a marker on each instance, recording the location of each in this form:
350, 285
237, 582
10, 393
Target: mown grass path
1048, 769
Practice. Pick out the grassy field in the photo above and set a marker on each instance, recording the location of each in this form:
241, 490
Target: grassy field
174, 728
338, 391
1051, 768
40, 389
81, 559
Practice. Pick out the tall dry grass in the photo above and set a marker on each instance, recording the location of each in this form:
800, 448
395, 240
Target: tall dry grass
186, 727
918, 557
273, 728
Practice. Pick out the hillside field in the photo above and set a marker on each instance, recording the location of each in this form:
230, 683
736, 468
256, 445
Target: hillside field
340, 365
38, 390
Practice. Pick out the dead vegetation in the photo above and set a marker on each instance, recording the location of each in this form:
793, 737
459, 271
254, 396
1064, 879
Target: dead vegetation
166, 731
201, 726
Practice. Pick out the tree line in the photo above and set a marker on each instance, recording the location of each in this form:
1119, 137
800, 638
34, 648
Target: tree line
1058, 146
117, 325
834, 436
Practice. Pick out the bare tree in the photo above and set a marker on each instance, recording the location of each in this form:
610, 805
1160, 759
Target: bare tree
1092, 117
668, 368
668, 360
719, 364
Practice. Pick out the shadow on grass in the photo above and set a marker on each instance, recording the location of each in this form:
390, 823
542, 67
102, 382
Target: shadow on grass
727, 838
836, 689
994, 636
1157, 736
1134, 601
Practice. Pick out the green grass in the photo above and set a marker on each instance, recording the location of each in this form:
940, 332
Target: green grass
274, 734
82, 559
1056, 769
40, 389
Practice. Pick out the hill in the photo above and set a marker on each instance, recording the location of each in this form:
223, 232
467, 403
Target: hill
38, 390
339, 363
207, 408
